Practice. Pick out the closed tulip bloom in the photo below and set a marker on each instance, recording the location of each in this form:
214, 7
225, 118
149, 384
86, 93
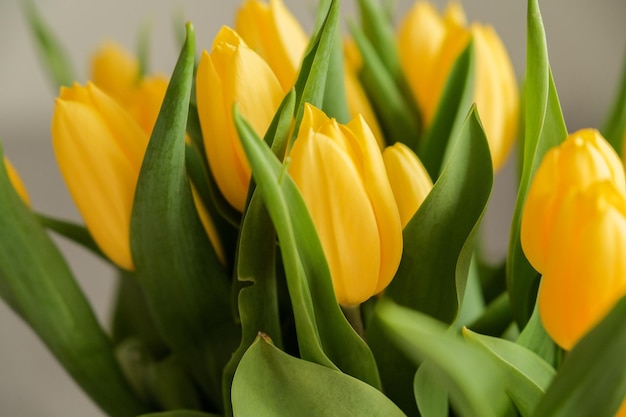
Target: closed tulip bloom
409, 179
340, 173
233, 73
582, 159
275, 34
99, 150
16, 181
429, 45
585, 272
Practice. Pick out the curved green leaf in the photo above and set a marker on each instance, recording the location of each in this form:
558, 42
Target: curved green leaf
184, 283
527, 375
438, 241
324, 335
472, 379
35, 281
535, 338
457, 96
614, 129
268, 382
544, 128
75, 232
431, 395
591, 381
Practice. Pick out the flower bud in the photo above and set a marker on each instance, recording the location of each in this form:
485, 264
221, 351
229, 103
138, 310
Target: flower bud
233, 73
16, 181
582, 159
340, 173
429, 45
99, 150
585, 270
409, 179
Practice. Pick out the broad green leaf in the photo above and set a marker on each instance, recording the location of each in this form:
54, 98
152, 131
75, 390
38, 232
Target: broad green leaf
496, 318
35, 281
74, 232
431, 395
614, 129
311, 82
591, 381
535, 338
544, 128
176, 265
472, 379
438, 241
398, 117
180, 413
54, 59
324, 335
269, 382
527, 375
456, 99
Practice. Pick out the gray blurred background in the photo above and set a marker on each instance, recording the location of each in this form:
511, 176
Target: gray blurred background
586, 40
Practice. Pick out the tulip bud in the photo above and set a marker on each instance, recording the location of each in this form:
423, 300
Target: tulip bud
340, 173
585, 271
409, 179
582, 159
115, 71
233, 73
16, 181
274, 33
429, 45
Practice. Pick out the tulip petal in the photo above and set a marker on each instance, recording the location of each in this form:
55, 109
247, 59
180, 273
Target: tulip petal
16, 181
115, 71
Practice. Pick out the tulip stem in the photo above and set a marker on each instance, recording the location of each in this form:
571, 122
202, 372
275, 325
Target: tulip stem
353, 315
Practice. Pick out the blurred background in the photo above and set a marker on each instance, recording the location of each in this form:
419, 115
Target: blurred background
586, 41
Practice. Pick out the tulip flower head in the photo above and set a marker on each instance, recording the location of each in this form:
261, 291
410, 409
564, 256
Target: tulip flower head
233, 73
574, 233
16, 181
429, 45
340, 173
409, 179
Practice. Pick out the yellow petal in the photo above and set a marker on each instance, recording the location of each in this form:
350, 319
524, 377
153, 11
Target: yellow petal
99, 149
145, 101
209, 226
115, 71
409, 179
344, 219
585, 272
16, 181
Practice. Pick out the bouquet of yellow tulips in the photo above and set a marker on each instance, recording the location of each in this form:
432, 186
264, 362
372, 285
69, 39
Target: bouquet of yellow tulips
295, 221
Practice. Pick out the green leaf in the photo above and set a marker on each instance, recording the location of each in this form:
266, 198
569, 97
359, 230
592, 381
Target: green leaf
180, 413
311, 82
35, 281
614, 129
430, 393
54, 59
143, 49
496, 318
324, 335
473, 380
271, 383
591, 381
544, 128
535, 338
176, 265
456, 99
526, 375
398, 117
74, 232
438, 241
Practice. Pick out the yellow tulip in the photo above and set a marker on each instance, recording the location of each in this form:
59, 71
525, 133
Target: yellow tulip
409, 179
582, 159
275, 34
16, 181
429, 44
233, 73
99, 150
340, 173
585, 271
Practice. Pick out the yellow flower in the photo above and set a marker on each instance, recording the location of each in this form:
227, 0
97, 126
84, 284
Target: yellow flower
16, 181
340, 173
233, 73
99, 150
429, 44
585, 272
582, 159
409, 179
275, 34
